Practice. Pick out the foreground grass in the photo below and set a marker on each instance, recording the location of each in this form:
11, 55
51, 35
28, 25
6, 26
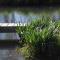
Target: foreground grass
40, 40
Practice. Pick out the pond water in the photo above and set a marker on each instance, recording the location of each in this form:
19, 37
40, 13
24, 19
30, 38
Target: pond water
9, 36
24, 15
10, 54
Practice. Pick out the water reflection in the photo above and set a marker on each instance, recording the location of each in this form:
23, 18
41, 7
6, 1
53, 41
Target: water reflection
1, 19
56, 15
9, 36
8, 47
16, 17
10, 55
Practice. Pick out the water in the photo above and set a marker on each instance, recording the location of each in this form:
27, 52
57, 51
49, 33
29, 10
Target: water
10, 54
9, 36
8, 45
24, 15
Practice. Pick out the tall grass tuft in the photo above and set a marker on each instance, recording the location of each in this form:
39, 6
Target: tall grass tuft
40, 39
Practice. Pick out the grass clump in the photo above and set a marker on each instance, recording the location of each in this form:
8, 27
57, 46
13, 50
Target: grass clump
40, 39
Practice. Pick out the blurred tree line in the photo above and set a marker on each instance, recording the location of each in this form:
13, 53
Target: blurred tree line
27, 2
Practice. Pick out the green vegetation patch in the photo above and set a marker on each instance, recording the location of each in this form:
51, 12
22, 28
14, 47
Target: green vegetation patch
40, 39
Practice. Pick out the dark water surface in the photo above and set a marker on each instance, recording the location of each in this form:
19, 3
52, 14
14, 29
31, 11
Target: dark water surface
10, 54
8, 46
9, 36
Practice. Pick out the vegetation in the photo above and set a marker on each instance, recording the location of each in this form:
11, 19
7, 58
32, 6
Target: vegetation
40, 40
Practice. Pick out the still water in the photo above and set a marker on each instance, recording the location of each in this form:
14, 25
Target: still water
9, 36
24, 15
10, 54
8, 46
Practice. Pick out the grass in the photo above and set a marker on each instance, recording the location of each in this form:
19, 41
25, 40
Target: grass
40, 39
